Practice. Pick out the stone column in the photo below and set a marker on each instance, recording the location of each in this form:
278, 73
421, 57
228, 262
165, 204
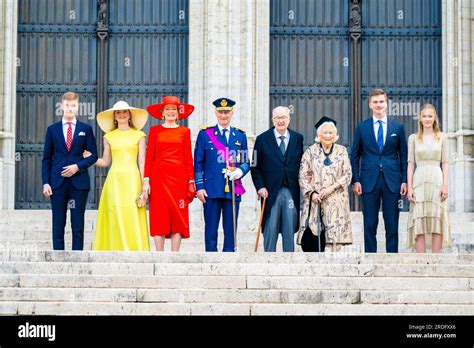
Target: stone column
458, 106
8, 29
229, 44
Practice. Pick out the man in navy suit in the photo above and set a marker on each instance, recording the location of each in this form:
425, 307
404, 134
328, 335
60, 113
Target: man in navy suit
275, 168
379, 171
217, 148
64, 171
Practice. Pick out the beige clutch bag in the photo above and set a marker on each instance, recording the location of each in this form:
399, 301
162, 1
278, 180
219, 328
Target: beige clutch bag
141, 201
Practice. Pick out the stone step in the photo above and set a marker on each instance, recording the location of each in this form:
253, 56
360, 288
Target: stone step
98, 308
90, 226
368, 283
8, 226
198, 246
309, 296
246, 212
253, 269
361, 309
247, 235
188, 246
236, 282
196, 213
41, 236
195, 245
245, 240
237, 258
183, 296
417, 297
68, 295
246, 215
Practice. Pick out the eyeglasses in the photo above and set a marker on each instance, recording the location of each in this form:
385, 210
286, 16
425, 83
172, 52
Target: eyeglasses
280, 118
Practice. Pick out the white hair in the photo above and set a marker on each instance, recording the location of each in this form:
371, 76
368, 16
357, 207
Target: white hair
319, 130
284, 109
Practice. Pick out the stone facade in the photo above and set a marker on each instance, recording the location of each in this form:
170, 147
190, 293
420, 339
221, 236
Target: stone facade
458, 97
8, 25
229, 55
229, 44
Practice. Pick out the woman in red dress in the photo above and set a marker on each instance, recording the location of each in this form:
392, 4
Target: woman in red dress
169, 173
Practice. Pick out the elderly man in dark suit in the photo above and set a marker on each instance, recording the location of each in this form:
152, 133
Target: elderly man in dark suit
275, 168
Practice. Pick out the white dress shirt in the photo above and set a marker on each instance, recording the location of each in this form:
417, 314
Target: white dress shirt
376, 127
66, 126
278, 135
227, 134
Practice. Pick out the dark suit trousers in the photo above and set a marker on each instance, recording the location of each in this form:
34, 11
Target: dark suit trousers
212, 215
64, 197
370, 209
283, 218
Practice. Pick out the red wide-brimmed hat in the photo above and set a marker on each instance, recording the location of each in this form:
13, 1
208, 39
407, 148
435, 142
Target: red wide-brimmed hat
184, 110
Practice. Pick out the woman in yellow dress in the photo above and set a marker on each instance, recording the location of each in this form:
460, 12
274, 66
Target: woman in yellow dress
121, 225
428, 219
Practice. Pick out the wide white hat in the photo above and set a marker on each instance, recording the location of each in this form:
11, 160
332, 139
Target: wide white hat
105, 119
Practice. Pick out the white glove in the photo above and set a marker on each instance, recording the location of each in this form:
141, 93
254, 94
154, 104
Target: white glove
236, 174
226, 172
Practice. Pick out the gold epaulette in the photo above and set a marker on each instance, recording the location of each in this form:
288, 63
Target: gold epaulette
206, 127
241, 130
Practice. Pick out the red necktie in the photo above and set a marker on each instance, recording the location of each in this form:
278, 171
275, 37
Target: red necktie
69, 136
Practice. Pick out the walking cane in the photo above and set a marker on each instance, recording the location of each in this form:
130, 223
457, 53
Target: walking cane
260, 223
234, 215
320, 229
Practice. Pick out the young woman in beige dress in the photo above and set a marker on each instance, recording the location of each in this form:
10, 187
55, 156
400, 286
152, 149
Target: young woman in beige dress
428, 221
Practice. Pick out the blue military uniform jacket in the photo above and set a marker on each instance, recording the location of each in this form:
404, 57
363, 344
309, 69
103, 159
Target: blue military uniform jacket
208, 164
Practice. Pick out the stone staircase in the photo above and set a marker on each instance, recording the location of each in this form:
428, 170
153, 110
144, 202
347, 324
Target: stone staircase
141, 283
37, 281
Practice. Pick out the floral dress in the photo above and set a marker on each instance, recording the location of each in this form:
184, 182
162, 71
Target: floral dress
335, 207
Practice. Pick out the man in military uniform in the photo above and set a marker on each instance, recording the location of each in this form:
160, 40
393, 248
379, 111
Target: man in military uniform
220, 157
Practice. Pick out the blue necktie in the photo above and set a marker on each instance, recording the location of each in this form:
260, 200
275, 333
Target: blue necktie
380, 136
224, 131
282, 145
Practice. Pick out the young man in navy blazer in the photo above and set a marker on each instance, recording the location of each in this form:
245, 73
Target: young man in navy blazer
379, 171
64, 171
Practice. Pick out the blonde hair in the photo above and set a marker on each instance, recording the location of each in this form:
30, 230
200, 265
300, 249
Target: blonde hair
376, 92
177, 115
70, 96
436, 128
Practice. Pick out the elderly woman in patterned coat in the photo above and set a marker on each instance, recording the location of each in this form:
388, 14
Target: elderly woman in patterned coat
326, 169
